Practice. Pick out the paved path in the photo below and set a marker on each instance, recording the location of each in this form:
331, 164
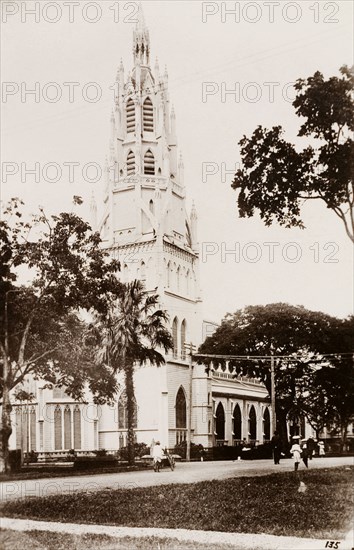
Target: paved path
209, 538
184, 473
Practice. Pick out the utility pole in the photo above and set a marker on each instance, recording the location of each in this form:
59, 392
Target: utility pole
190, 347
272, 392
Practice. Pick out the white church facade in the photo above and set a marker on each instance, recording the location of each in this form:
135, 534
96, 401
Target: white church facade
147, 227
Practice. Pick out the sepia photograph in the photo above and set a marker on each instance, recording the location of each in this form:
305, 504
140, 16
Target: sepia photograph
177, 275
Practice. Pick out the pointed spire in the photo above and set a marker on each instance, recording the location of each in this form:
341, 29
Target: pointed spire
140, 24
181, 170
157, 69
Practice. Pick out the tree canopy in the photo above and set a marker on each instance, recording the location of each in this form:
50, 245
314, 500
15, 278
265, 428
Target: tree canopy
275, 178
41, 331
318, 351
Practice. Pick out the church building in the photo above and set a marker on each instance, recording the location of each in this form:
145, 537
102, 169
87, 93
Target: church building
146, 226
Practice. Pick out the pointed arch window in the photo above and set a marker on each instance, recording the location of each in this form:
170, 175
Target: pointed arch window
148, 115
123, 412
77, 428
168, 274
143, 272
58, 442
220, 422
252, 424
130, 163
183, 338
152, 207
181, 410
175, 336
237, 422
67, 427
130, 116
266, 424
149, 163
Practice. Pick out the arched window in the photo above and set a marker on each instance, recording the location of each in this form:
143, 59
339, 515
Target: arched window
67, 428
33, 429
152, 207
252, 422
266, 424
149, 163
175, 336
220, 422
130, 163
168, 278
237, 422
187, 282
183, 338
58, 442
125, 273
181, 409
148, 115
130, 116
123, 412
143, 272
77, 428
178, 275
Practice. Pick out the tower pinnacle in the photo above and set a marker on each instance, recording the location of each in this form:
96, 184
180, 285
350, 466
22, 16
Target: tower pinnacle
141, 40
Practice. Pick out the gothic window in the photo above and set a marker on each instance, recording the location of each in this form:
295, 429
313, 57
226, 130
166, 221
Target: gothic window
181, 409
152, 207
148, 115
123, 412
149, 163
77, 428
175, 336
67, 428
130, 116
183, 339
237, 422
178, 275
32, 418
58, 443
143, 272
220, 422
266, 424
252, 424
168, 274
130, 163
125, 273
188, 282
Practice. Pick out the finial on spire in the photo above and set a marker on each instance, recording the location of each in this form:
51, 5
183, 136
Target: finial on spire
140, 24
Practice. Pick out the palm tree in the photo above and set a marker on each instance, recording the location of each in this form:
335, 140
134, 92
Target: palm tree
132, 331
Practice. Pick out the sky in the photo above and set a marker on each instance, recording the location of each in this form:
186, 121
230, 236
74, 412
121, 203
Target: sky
70, 54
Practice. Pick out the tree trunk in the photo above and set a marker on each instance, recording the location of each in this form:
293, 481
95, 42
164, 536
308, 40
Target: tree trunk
129, 388
343, 433
5, 423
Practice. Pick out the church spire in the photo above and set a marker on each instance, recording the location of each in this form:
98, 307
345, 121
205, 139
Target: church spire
141, 40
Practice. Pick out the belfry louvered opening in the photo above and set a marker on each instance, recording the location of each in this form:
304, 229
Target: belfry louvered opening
148, 115
130, 116
149, 163
130, 163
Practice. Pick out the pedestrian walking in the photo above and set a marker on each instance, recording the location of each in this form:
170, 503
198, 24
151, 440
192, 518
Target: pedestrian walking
305, 454
296, 452
276, 446
311, 447
321, 449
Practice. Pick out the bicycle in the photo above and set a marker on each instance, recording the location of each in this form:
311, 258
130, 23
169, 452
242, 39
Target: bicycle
171, 460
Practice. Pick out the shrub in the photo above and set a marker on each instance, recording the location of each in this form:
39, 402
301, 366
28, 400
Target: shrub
15, 460
93, 462
196, 450
140, 449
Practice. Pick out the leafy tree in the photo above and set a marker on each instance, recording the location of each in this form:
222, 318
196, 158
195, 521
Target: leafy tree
128, 337
40, 331
276, 179
282, 329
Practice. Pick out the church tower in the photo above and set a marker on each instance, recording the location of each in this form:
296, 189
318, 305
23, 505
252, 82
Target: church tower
146, 226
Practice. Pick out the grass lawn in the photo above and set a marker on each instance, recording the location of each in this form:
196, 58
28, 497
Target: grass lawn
268, 504
39, 540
